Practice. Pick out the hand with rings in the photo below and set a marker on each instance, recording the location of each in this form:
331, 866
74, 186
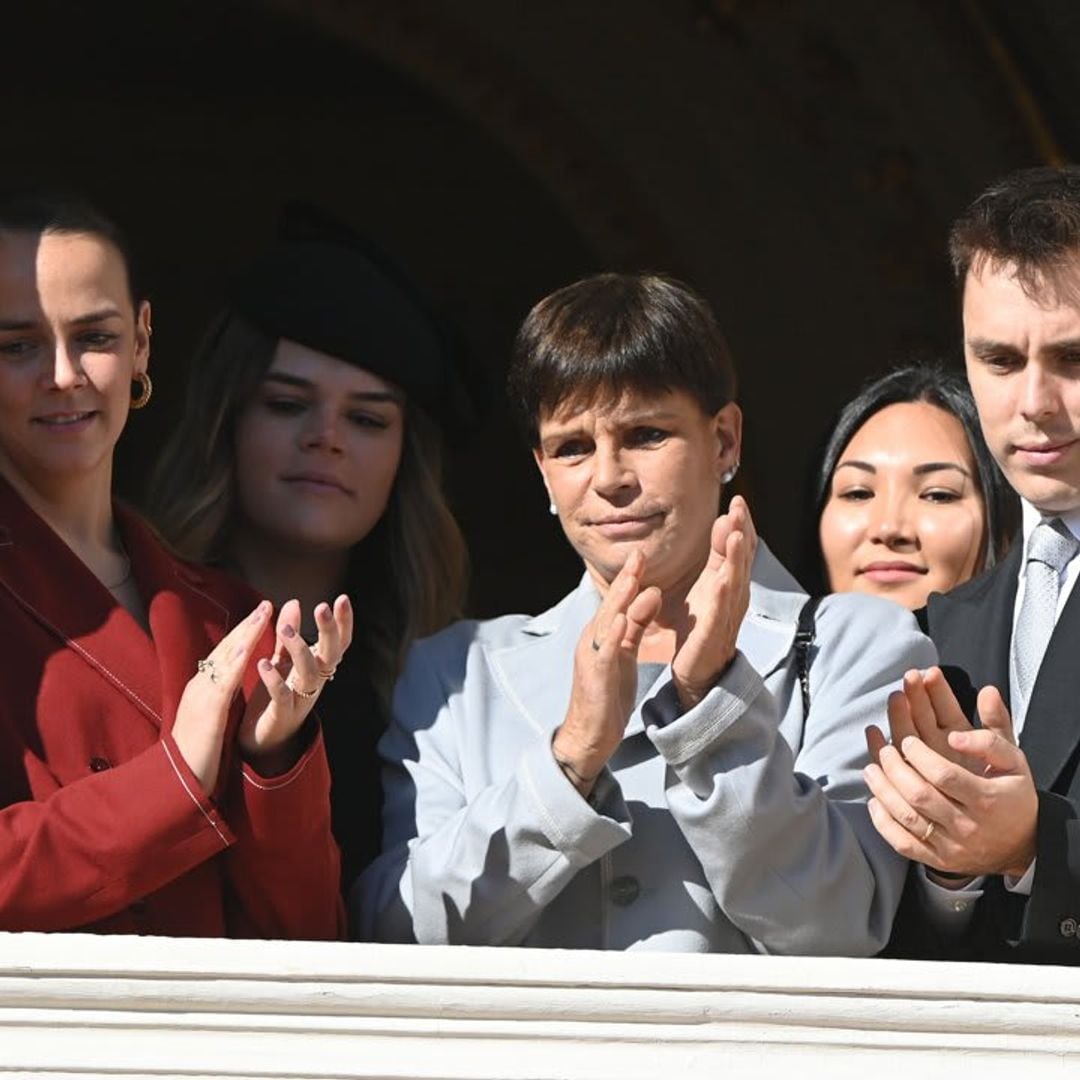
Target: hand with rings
292, 681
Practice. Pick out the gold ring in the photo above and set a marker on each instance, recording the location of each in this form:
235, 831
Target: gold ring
929, 832
207, 667
302, 693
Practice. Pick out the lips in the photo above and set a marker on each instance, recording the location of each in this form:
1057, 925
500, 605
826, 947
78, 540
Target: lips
627, 526
1037, 454
66, 419
891, 571
315, 481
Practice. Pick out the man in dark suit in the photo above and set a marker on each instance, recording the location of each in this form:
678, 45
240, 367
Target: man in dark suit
992, 814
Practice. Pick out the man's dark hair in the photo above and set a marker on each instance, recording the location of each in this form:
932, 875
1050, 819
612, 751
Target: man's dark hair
41, 211
610, 333
1030, 218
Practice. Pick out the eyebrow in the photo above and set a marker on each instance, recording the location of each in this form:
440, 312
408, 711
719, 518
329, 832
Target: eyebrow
918, 470
985, 347
394, 397
91, 317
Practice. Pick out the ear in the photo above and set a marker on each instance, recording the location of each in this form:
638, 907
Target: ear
727, 427
538, 457
143, 330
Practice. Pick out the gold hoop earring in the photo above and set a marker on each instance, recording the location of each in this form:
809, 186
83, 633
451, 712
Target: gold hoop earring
146, 390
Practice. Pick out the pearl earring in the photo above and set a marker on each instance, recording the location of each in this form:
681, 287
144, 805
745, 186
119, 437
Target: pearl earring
728, 476
553, 510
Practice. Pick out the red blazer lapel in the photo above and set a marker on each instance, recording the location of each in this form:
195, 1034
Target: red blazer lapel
54, 587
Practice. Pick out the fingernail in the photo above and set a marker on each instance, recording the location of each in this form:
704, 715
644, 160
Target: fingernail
260, 611
265, 665
287, 631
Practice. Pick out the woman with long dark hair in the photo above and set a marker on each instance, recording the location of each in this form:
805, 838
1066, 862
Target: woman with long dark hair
907, 498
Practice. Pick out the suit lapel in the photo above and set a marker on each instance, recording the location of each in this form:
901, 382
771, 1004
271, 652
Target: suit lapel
1052, 728
972, 629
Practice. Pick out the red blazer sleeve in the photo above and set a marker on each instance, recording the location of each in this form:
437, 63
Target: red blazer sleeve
99, 844
284, 869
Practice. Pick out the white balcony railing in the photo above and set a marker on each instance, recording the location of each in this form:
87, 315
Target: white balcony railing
80, 1005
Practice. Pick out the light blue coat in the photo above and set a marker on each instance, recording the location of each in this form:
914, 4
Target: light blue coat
739, 825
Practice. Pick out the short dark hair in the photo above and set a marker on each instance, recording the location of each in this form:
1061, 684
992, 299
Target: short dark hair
936, 385
1030, 218
610, 333
41, 211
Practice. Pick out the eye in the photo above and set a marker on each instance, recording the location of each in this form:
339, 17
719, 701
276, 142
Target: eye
1003, 363
97, 340
17, 348
571, 448
854, 494
940, 495
285, 406
368, 420
646, 436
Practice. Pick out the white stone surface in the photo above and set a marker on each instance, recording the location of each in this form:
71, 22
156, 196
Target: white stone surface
88, 1006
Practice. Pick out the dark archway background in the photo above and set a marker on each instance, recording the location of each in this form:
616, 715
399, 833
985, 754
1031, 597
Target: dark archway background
797, 160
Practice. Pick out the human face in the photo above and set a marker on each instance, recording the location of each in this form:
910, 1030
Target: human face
70, 344
641, 472
317, 450
904, 517
1023, 365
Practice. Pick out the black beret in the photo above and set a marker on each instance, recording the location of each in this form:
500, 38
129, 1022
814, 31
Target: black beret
328, 288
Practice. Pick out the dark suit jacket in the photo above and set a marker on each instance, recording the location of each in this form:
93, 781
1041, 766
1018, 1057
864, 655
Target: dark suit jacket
102, 824
972, 628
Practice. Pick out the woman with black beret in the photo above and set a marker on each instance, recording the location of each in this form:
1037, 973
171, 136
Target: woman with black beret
309, 458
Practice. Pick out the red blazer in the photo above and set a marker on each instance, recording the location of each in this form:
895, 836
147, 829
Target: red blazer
102, 824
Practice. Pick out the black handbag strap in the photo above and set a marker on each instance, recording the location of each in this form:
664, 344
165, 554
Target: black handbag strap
804, 638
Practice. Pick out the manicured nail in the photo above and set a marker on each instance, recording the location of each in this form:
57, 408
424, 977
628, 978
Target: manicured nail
265, 665
287, 631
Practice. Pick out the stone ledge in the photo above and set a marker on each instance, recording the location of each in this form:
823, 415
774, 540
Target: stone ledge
125, 1006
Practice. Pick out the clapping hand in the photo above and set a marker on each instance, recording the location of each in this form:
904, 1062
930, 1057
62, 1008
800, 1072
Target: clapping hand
715, 606
956, 798
292, 681
605, 676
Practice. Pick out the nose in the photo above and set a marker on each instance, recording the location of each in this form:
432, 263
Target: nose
67, 372
611, 473
322, 431
891, 520
1038, 396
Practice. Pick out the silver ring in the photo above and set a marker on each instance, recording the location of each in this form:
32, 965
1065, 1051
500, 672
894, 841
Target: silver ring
207, 667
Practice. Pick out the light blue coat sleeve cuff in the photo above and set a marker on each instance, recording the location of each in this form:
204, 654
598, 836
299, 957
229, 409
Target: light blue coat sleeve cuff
581, 830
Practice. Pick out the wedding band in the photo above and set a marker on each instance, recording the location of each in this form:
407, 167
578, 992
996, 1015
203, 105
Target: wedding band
207, 667
302, 693
929, 832
327, 675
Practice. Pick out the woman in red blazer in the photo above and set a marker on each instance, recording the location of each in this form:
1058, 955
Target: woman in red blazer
139, 792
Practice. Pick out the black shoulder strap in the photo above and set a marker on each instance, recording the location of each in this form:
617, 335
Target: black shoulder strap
804, 638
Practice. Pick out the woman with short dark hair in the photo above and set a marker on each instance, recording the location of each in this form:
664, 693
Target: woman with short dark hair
661, 760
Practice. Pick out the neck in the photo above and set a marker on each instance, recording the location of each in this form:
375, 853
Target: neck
283, 573
79, 509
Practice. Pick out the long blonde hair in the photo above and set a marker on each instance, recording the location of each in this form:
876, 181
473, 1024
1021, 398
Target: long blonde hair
408, 575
